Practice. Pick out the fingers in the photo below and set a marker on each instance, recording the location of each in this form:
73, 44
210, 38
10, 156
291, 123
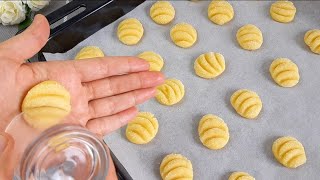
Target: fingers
121, 84
106, 125
6, 156
29, 42
114, 104
99, 68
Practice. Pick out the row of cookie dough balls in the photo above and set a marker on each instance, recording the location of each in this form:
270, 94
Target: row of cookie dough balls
214, 134
249, 37
209, 65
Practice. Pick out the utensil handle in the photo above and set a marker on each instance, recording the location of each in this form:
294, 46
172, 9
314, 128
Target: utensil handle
90, 7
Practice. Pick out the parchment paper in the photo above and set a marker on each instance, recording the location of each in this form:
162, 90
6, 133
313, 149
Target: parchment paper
286, 111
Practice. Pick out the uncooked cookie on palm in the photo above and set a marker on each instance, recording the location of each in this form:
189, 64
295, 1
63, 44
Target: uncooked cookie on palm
46, 104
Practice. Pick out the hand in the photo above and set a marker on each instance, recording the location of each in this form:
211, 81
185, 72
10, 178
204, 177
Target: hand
104, 91
6, 156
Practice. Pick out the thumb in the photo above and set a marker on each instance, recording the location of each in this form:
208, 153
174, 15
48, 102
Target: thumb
28, 43
6, 157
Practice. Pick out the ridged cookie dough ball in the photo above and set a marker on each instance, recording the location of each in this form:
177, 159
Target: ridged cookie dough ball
162, 12
130, 31
183, 35
46, 104
283, 11
312, 39
247, 103
209, 65
249, 37
142, 129
220, 12
289, 152
155, 60
284, 72
171, 92
213, 132
176, 166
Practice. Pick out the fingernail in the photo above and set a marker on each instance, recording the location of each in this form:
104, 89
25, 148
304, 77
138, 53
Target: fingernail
3, 143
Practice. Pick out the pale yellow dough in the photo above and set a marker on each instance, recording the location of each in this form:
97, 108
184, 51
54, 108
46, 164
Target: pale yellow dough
130, 31
213, 132
249, 37
162, 12
247, 103
89, 52
176, 166
220, 12
46, 104
154, 59
284, 72
209, 65
171, 92
183, 35
312, 39
142, 129
283, 11
289, 152
241, 176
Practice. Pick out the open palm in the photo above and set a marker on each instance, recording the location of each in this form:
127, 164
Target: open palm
104, 91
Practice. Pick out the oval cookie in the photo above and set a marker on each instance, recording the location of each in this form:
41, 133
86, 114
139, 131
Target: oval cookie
241, 176
162, 12
249, 37
154, 59
289, 152
183, 35
209, 65
130, 31
46, 104
247, 103
89, 52
142, 129
312, 39
171, 92
176, 166
283, 11
213, 132
284, 72
220, 12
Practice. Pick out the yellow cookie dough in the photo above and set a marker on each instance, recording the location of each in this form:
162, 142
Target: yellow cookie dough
176, 166
46, 104
241, 176
283, 11
130, 31
162, 12
220, 12
289, 152
142, 129
284, 72
171, 92
89, 52
213, 132
183, 35
249, 37
154, 59
312, 39
209, 65
247, 103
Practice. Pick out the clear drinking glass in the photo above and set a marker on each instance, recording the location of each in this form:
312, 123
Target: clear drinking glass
61, 152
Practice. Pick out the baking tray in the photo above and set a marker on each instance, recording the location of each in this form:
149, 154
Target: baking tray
286, 111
